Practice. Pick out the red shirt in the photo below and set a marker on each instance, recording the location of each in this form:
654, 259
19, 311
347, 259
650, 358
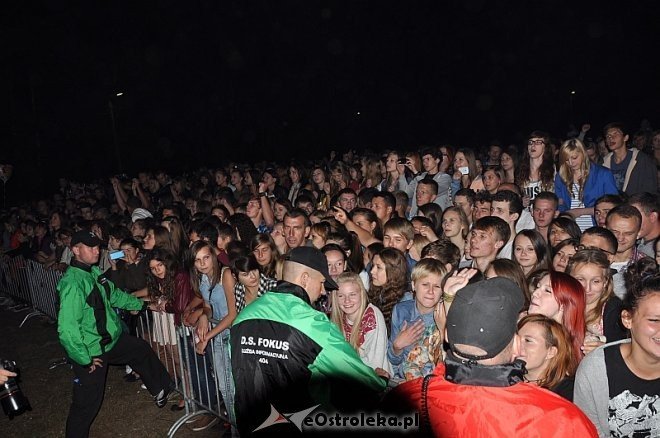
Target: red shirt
521, 410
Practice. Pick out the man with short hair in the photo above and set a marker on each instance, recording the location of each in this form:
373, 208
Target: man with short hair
525, 221
347, 199
431, 158
287, 357
507, 206
494, 154
296, 228
603, 206
647, 204
634, 171
464, 199
92, 336
624, 222
305, 203
600, 238
482, 204
480, 388
545, 207
489, 234
444, 251
383, 204
426, 192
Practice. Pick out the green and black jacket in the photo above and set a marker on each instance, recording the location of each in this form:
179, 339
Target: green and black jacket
288, 355
87, 324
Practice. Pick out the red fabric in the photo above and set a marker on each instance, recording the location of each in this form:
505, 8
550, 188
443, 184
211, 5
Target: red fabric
521, 410
183, 294
223, 258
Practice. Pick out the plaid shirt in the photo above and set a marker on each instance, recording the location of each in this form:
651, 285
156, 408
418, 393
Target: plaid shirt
265, 284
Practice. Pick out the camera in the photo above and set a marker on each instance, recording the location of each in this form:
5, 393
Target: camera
11, 397
402, 160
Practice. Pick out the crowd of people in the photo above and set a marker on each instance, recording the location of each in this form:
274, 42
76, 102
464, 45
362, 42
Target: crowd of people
438, 275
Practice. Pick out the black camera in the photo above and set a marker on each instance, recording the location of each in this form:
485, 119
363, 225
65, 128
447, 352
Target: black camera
11, 397
402, 160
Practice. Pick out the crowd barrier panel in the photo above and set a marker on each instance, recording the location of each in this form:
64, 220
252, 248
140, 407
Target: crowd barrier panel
28, 282
193, 374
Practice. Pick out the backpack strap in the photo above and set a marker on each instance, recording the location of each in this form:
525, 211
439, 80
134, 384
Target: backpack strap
425, 424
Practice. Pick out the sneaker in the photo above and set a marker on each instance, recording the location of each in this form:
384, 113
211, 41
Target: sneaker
205, 422
161, 398
131, 378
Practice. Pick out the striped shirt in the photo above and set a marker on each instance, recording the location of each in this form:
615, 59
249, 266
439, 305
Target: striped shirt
585, 221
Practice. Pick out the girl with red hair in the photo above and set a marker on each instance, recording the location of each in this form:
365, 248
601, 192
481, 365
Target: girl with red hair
561, 297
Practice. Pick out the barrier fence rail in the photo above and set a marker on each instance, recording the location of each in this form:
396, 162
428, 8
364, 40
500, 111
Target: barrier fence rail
27, 283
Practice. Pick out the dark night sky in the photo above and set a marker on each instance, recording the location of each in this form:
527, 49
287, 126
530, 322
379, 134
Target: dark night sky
221, 80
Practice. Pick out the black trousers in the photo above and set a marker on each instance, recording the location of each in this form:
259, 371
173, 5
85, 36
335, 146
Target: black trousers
88, 393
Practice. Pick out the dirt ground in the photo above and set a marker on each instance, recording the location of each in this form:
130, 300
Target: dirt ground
127, 411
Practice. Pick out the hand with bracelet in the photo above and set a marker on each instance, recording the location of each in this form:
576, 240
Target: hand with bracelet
455, 283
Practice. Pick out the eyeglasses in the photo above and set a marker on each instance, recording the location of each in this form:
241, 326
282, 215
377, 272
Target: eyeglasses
593, 248
535, 142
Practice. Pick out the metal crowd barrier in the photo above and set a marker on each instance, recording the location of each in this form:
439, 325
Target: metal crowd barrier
192, 373
27, 282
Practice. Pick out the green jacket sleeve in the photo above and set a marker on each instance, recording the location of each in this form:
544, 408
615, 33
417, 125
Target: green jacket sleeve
123, 300
72, 303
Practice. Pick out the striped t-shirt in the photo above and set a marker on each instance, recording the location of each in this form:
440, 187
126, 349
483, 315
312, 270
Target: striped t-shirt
585, 221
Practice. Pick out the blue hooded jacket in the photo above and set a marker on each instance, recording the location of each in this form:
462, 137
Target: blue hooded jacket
599, 182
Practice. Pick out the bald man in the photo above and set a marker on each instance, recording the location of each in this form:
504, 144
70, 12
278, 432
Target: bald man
287, 357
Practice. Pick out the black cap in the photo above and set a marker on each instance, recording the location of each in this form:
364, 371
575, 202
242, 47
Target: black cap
85, 237
484, 315
315, 259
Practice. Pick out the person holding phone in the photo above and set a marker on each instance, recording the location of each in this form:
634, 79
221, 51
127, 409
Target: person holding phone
466, 174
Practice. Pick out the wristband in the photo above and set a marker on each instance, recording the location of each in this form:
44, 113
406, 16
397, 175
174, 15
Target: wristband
448, 298
261, 194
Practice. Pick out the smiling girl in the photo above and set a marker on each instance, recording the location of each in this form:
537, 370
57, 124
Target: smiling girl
591, 268
561, 297
548, 356
618, 385
361, 323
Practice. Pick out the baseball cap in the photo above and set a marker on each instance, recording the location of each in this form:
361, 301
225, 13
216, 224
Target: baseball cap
140, 213
85, 237
484, 315
315, 259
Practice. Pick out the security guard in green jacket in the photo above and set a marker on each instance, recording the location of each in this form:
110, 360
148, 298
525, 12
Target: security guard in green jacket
91, 334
